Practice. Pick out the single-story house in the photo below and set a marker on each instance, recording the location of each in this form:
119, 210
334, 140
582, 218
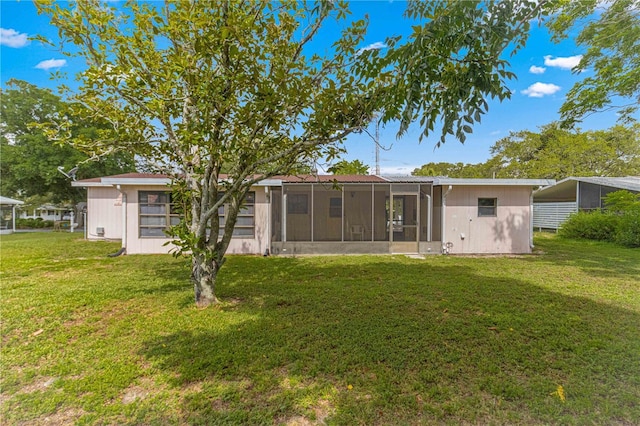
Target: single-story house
331, 214
8, 214
47, 212
553, 204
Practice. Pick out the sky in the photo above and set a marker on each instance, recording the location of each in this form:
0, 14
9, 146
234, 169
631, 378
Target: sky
543, 72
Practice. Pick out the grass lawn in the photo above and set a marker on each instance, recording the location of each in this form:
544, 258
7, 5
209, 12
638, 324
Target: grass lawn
548, 338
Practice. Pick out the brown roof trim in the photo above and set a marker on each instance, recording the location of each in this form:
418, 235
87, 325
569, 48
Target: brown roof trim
285, 179
331, 179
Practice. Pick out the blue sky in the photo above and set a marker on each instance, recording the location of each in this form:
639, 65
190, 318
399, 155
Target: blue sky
542, 68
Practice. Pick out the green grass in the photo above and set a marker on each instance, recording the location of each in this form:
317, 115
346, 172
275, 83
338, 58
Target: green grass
366, 340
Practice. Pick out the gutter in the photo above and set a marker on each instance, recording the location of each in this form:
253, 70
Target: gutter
445, 249
267, 194
124, 220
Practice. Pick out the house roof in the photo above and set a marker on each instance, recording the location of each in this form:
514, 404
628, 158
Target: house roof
630, 183
6, 201
331, 178
493, 182
408, 179
125, 179
413, 179
565, 190
157, 179
52, 207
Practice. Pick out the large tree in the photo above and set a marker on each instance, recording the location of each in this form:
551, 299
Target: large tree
29, 161
553, 153
609, 30
454, 170
344, 167
240, 86
556, 153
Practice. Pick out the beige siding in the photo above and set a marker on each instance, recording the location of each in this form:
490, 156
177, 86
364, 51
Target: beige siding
507, 232
260, 242
104, 210
135, 243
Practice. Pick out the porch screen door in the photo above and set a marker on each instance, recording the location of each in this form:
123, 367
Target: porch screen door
404, 223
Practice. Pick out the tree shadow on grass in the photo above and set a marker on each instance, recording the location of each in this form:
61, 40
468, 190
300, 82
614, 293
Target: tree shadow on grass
387, 341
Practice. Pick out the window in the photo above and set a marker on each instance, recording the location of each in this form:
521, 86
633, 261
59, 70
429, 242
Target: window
245, 221
156, 213
297, 204
487, 207
335, 207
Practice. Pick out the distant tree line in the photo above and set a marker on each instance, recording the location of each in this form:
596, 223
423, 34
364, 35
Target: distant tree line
553, 153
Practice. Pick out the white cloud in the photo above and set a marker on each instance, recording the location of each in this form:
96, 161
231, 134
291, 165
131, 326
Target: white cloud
538, 90
373, 46
12, 38
51, 63
562, 63
397, 170
537, 70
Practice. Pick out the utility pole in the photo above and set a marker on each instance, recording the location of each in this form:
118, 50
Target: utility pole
377, 141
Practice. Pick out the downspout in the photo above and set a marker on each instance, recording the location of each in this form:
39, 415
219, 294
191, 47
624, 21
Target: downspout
13, 218
267, 251
531, 219
445, 249
124, 223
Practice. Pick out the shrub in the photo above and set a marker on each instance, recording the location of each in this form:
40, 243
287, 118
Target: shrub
622, 201
628, 233
31, 223
591, 225
21, 223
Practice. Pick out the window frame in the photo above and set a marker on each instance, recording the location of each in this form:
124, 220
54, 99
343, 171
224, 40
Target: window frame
335, 207
487, 210
297, 203
168, 214
247, 210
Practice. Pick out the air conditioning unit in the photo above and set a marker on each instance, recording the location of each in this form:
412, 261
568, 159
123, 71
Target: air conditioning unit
100, 231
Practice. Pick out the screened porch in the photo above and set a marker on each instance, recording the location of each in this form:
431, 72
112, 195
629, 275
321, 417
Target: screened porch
352, 218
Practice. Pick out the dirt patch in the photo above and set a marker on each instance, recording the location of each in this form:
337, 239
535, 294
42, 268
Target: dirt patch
139, 391
298, 421
232, 301
322, 410
195, 387
43, 383
133, 394
4, 397
63, 417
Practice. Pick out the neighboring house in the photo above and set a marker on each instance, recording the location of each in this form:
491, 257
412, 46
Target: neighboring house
553, 204
331, 214
8, 214
47, 212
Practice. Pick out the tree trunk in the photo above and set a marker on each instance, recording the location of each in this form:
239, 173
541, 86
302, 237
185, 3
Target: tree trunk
203, 274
